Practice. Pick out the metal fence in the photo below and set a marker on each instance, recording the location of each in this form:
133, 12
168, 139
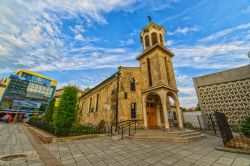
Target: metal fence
74, 131
216, 124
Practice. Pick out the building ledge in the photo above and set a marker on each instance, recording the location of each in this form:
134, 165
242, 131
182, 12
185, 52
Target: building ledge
150, 49
159, 87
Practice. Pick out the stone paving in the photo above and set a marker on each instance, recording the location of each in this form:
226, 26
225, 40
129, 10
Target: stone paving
106, 151
14, 141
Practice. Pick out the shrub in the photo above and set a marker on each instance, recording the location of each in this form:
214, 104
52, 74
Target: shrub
78, 129
35, 118
49, 111
188, 125
245, 126
65, 115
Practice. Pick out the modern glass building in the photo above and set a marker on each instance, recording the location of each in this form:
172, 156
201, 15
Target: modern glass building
26, 92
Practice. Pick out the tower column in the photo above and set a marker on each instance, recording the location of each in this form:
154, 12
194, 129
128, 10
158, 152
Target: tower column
150, 40
179, 114
165, 111
144, 111
158, 38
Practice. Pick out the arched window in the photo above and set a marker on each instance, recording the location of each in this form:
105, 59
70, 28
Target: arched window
147, 41
154, 38
161, 39
132, 84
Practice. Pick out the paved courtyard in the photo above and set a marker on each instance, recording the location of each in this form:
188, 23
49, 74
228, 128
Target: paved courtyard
13, 140
106, 151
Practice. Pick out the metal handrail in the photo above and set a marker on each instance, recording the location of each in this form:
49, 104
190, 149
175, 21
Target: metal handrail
124, 124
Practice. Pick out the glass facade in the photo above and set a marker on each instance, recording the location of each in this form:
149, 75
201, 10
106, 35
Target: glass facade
27, 92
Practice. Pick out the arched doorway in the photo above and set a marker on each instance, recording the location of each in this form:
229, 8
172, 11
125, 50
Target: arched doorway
153, 107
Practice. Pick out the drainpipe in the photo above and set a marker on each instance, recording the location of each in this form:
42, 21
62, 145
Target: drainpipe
117, 99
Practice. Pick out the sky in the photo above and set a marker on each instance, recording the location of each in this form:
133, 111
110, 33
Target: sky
82, 42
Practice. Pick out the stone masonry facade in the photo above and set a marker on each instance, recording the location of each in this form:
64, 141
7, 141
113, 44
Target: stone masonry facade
142, 93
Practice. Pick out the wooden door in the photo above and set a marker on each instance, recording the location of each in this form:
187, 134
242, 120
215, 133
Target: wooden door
151, 117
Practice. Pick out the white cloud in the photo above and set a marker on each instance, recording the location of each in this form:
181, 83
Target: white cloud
32, 34
246, 10
186, 88
224, 32
169, 43
127, 42
78, 29
79, 37
183, 31
214, 56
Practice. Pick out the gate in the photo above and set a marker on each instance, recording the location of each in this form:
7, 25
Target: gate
224, 127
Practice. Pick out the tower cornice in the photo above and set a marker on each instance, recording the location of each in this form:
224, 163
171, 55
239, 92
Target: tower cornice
149, 50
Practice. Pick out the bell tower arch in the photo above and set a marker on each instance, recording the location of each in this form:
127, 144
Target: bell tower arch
152, 34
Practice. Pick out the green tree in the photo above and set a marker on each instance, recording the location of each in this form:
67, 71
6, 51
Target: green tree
49, 111
245, 126
65, 115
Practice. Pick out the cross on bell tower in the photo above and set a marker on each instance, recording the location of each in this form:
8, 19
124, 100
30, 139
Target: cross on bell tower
149, 18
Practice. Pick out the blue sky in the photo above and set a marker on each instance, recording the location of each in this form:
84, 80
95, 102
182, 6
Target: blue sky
82, 42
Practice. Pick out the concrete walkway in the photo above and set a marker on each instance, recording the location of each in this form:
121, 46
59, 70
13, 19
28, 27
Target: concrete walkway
106, 151
13, 140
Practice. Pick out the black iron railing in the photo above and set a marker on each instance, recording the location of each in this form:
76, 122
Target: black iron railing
124, 126
231, 134
74, 131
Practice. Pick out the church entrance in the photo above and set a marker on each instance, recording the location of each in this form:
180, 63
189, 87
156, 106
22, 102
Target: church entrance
151, 115
151, 110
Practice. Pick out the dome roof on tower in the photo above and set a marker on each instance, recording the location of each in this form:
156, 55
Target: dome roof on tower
146, 28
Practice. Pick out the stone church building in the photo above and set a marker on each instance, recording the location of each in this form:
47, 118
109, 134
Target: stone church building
147, 93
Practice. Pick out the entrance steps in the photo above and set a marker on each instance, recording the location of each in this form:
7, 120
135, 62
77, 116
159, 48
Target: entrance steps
177, 136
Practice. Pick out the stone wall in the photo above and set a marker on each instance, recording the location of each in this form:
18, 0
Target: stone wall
227, 92
107, 99
106, 104
161, 70
127, 73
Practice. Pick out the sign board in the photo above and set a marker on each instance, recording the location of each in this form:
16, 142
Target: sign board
107, 107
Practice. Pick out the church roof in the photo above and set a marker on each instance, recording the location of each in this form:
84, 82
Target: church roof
152, 24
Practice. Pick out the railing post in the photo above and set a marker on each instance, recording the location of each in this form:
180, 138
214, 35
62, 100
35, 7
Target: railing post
111, 128
129, 129
122, 132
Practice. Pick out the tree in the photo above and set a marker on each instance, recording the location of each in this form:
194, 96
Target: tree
245, 126
198, 108
49, 111
65, 114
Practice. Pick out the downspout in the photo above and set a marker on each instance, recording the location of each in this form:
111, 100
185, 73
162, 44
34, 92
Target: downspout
117, 99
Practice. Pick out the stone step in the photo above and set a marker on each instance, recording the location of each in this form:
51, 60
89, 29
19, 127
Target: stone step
164, 132
117, 137
170, 139
168, 134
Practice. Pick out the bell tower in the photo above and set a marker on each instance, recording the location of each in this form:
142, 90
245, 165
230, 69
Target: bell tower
155, 60
158, 84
